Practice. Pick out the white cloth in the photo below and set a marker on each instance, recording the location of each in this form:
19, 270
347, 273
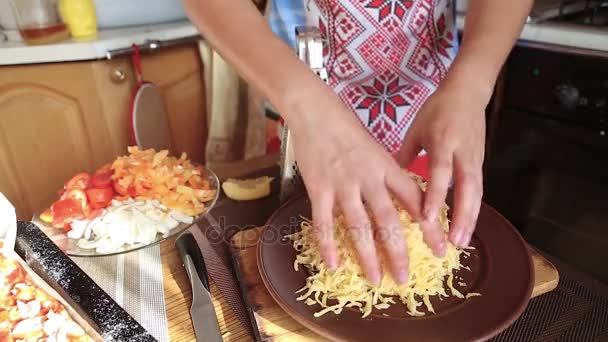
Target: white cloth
135, 281
8, 224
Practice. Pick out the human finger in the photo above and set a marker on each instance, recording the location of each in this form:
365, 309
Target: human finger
322, 203
361, 235
467, 201
440, 171
389, 231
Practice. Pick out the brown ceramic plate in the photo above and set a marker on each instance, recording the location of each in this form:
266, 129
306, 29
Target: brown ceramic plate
502, 271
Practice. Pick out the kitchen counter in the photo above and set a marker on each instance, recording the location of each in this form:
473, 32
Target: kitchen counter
575, 308
178, 298
14, 52
562, 34
178, 293
580, 299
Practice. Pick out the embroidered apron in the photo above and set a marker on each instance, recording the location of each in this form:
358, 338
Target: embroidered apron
384, 57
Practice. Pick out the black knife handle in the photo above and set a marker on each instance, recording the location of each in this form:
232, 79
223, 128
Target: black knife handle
186, 245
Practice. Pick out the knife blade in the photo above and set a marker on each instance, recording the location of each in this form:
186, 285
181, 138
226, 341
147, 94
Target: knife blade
204, 319
8, 225
220, 269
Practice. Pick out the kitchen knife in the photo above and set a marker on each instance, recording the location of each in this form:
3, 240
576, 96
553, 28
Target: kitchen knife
204, 320
8, 225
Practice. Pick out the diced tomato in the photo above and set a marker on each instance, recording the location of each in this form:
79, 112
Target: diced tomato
81, 181
78, 195
11, 273
65, 211
5, 334
86, 211
102, 178
129, 191
95, 213
66, 227
100, 198
47, 216
104, 168
66, 208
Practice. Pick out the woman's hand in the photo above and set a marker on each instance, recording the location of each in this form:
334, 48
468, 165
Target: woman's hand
342, 168
450, 127
451, 124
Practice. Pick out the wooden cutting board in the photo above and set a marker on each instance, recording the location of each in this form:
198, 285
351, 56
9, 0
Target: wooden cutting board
271, 323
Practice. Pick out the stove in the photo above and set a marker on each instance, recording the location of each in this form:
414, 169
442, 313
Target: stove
579, 12
590, 13
546, 161
547, 152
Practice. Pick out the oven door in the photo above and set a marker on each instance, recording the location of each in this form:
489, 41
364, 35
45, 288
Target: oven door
550, 179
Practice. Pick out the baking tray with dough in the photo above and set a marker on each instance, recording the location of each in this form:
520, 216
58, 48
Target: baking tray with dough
89, 305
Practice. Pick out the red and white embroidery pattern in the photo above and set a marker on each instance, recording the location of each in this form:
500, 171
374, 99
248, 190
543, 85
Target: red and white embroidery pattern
384, 95
385, 57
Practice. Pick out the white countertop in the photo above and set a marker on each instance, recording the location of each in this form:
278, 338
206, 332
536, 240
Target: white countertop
569, 35
16, 52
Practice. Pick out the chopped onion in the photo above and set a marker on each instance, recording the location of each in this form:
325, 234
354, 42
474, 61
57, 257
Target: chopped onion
127, 223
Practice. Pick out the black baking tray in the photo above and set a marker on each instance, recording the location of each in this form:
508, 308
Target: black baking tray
110, 320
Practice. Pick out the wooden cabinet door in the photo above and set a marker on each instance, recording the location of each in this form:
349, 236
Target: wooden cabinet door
57, 120
63, 118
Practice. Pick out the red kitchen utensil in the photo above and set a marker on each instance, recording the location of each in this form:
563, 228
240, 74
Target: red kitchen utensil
149, 124
420, 166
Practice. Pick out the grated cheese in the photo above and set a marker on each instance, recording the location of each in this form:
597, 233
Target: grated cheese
348, 287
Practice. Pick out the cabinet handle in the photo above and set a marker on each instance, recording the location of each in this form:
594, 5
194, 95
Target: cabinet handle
152, 45
117, 75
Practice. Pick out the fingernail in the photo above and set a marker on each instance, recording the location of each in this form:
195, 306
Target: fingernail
455, 237
466, 240
332, 263
430, 214
462, 239
441, 249
375, 277
402, 276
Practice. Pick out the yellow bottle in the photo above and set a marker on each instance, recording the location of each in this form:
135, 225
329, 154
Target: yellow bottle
80, 17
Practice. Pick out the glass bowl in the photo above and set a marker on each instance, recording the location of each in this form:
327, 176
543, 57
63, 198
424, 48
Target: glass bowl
70, 246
